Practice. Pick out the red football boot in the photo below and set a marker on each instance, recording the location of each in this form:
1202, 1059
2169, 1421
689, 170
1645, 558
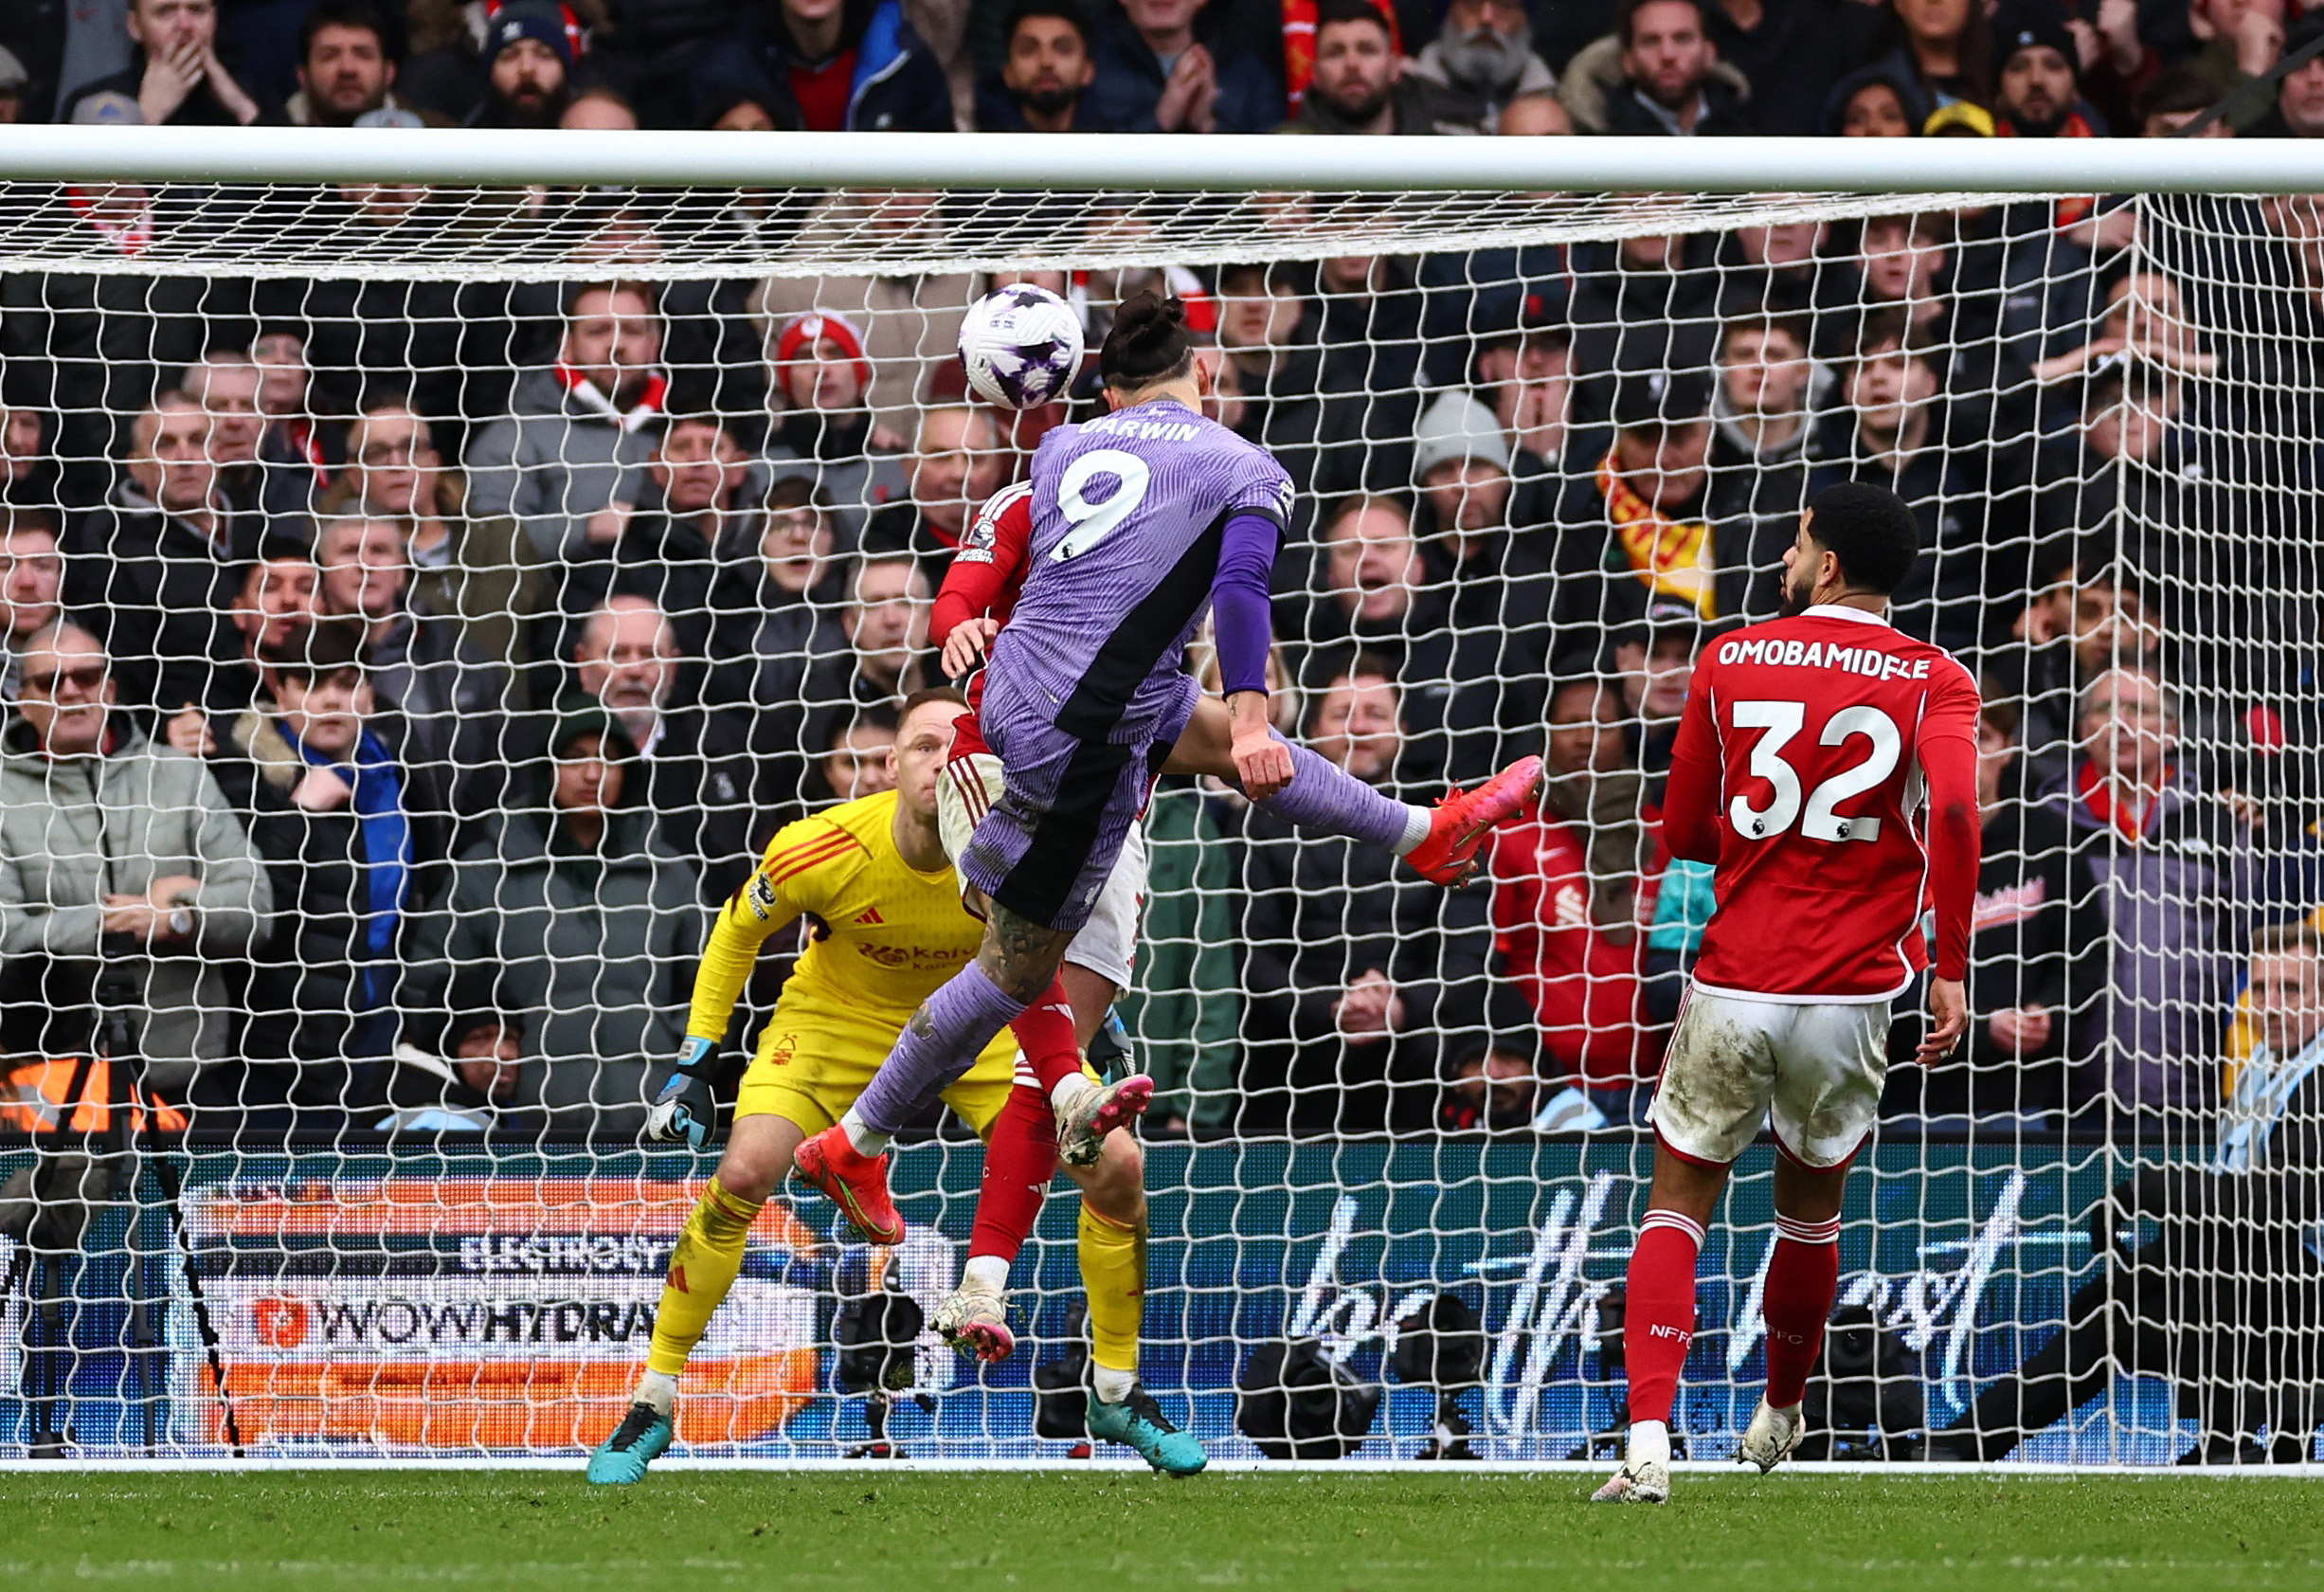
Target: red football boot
1464, 818
856, 1183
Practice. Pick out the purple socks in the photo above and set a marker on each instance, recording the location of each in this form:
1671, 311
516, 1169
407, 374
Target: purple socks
940, 1044
1324, 796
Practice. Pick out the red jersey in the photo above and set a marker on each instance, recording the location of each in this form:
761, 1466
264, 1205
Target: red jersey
988, 571
1827, 764
1581, 984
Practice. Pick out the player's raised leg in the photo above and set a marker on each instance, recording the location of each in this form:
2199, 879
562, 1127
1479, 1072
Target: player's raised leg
1440, 843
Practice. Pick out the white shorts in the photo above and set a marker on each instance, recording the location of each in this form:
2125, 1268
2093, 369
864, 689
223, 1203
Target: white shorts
966, 790
1813, 1071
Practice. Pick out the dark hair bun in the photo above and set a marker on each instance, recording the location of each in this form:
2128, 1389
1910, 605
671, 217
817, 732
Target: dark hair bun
1148, 342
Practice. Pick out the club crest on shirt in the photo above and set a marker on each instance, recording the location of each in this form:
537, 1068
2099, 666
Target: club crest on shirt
761, 896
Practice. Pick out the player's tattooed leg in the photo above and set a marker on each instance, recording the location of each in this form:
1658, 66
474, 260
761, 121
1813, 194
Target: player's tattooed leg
1021, 956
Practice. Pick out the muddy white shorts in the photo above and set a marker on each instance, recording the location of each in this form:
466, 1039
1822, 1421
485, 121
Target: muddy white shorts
966, 790
1813, 1072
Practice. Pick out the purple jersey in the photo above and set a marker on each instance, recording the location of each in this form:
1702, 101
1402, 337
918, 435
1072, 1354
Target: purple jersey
1128, 512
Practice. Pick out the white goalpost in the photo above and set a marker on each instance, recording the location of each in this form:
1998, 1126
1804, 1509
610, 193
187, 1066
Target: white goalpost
659, 438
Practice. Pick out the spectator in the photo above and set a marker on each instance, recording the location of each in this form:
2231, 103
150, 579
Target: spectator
453, 701
14, 80
2178, 94
1565, 891
1948, 47
345, 69
113, 850
175, 75
1043, 86
529, 56
26, 472
956, 463
1358, 976
1645, 526
1882, 100
2018, 953
773, 627
572, 452
689, 522
1164, 66
698, 776
1657, 74
1480, 60
1360, 82
885, 621
910, 321
2086, 618
1890, 434
1276, 366
2154, 937
158, 564
1490, 1088
1790, 53
2299, 94
31, 589
460, 567
1760, 410
858, 757
823, 381
1366, 323
272, 498
93, 348
829, 67
599, 108
1653, 666
475, 1090
353, 834
2039, 92
274, 608
2222, 1299
581, 924
1640, 305
290, 445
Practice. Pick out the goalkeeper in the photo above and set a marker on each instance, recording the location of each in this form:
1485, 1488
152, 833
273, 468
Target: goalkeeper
872, 877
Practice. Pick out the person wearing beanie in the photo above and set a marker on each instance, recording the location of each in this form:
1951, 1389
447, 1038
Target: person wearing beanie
2039, 93
826, 432
530, 52
1461, 465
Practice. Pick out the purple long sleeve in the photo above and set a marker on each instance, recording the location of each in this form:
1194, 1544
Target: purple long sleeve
1240, 601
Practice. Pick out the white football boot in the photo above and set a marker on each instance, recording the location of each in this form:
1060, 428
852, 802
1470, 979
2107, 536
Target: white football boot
1772, 1435
1645, 1475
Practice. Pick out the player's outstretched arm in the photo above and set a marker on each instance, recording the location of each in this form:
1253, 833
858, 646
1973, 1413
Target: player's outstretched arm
685, 1110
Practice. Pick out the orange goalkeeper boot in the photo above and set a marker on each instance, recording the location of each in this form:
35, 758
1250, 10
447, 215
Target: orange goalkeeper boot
856, 1182
1464, 818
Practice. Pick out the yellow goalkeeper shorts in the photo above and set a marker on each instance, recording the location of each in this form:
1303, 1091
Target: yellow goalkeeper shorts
811, 1065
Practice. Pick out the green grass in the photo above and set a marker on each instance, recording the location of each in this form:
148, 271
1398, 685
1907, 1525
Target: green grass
682, 1531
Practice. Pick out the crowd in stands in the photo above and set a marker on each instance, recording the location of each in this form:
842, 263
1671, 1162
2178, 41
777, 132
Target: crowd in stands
398, 671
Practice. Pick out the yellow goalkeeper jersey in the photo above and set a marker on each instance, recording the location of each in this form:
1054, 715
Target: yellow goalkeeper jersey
895, 932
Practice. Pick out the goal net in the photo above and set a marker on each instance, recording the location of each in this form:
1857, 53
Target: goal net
424, 602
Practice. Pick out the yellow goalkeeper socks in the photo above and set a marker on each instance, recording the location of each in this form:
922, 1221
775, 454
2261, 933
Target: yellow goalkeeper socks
702, 1268
1113, 1273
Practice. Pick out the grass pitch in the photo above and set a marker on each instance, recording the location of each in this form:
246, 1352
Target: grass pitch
682, 1531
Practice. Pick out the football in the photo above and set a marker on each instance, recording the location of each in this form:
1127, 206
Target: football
1022, 346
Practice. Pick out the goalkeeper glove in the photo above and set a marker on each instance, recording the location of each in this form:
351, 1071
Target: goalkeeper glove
685, 1108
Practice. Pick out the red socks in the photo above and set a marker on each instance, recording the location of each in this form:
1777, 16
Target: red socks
1018, 1164
1802, 1278
1658, 1319
1044, 1032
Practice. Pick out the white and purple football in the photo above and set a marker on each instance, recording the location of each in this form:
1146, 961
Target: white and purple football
1022, 346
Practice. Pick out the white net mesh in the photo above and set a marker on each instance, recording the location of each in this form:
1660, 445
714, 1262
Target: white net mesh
680, 471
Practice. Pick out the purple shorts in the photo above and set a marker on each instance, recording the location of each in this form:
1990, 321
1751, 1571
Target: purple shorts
1049, 844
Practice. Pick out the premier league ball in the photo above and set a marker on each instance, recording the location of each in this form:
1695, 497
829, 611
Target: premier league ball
1020, 346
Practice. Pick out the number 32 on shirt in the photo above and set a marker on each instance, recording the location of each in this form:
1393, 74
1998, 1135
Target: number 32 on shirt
1863, 741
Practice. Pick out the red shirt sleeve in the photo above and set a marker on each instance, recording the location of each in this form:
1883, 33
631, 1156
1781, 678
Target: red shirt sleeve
1948, 754
989, 557
1690, 798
